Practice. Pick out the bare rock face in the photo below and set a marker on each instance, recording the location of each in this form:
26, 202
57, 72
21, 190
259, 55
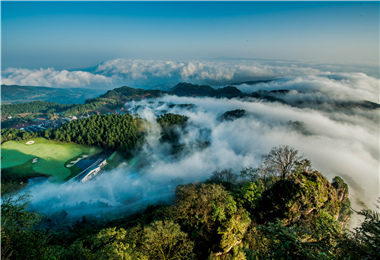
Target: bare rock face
341, 188
302, 197
342, 191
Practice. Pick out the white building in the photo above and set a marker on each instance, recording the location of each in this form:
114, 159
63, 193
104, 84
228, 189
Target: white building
92, 172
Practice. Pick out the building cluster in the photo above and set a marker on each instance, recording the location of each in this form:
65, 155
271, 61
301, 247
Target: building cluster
46, 124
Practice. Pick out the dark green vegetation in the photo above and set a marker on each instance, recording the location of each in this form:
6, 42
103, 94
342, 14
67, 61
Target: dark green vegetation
124, 94
299, 216
8, 134
12, 94
123, 133
188, 89
172, 125
116, 132
20, 236
25, 112
232, 115
112, 101
170, 119
33, 108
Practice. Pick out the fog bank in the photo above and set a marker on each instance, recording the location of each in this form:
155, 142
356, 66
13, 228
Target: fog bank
339, 142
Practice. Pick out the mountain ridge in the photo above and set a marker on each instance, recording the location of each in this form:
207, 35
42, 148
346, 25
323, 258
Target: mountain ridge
13, 94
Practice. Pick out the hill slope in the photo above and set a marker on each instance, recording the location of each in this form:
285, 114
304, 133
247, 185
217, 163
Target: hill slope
11, 94
188, 89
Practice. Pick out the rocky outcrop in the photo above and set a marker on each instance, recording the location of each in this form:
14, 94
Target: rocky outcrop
302, 196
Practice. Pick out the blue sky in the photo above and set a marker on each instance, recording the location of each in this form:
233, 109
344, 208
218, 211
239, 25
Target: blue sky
68, 35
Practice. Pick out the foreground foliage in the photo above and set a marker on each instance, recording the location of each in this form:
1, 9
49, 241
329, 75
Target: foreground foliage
301, 216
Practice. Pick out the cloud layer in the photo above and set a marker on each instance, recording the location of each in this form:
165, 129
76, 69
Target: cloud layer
202, 72
343, 143
153, 73
52, 78
166, 74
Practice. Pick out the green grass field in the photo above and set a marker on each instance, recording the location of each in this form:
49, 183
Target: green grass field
52, 156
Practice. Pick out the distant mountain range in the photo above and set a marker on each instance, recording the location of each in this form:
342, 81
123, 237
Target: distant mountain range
13, 94
114, 99
188, 89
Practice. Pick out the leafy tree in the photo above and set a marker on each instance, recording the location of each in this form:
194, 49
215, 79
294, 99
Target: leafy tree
164, 240
249, 196
8, 134
211, 215
276, 241
364, 241
112, 244
77, 250
21, 237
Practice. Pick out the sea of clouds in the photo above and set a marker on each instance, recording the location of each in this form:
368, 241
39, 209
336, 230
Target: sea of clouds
339, 141
166, 74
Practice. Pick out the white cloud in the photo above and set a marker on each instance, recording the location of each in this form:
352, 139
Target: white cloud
52, 78
201, 72
152, 73
342, 86
347, 147
341, 142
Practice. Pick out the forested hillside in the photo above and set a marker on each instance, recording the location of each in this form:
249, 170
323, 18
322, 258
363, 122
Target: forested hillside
8, 134
33, 107
13, 94
118, 132
109, 102
188, 89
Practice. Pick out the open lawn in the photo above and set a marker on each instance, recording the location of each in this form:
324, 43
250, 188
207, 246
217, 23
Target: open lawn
52, 157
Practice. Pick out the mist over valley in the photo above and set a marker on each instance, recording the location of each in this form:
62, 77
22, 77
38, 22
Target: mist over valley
323, 117
190, 130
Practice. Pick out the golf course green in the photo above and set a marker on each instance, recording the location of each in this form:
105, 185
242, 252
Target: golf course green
42, 156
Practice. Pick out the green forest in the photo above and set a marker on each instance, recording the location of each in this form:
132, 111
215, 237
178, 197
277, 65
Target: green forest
282, 210
33, 107
8, 134
117, 132
112, 100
